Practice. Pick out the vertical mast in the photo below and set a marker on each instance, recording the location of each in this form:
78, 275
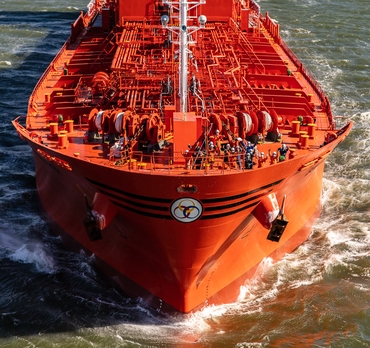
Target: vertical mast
180, 10
183, 73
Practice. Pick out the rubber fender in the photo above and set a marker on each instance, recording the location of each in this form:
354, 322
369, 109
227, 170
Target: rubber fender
267, 210
103, 210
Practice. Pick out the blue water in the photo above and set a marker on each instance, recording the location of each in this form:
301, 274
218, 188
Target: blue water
317, 296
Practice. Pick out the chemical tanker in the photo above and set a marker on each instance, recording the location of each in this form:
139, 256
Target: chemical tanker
180, 142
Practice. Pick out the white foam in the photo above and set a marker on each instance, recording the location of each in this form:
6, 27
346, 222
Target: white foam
189, 330
35, 254
8, 241
365, 116
362, 120
338, 237
329, 188
344, 244
250, 345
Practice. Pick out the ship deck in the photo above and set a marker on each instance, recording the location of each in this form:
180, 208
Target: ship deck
254, 69
158, 163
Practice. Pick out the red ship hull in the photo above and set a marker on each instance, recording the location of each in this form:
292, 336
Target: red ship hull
180, 229
181, 266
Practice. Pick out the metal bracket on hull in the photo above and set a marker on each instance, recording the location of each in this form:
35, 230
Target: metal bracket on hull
91, 224
278, 225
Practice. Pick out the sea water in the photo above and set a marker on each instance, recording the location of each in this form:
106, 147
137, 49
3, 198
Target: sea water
318, 296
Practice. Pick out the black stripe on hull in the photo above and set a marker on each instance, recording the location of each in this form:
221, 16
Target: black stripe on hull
163, 211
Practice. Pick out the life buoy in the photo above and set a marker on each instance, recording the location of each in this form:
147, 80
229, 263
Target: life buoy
34, 135
330, 136
307, 120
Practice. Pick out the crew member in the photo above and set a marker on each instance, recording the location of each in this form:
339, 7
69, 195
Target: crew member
283, 152
248, 161
262, 159
273, 157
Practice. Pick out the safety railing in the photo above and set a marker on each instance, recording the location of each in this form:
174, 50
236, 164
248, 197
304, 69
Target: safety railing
76, 28
274, 31
207, 164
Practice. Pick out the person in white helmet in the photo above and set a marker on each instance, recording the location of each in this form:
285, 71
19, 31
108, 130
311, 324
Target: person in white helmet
248, 161
283, 150
211, 154
262, 158
273, 157
217, 139
232, 158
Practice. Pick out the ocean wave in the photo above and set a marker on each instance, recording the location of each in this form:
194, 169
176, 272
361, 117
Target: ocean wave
34, 253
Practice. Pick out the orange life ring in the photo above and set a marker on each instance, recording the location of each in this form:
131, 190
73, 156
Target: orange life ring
34, 135
330, 136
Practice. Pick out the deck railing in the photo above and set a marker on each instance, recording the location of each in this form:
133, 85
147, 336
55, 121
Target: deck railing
184, 164
274, 31
81, 22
